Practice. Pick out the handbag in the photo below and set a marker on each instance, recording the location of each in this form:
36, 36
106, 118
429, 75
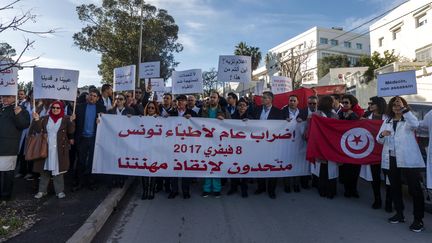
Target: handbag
36, 146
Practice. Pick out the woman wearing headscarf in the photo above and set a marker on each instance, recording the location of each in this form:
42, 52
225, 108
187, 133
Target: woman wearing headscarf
59, 129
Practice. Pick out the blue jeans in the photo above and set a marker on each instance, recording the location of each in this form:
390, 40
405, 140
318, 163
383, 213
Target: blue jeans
212, 183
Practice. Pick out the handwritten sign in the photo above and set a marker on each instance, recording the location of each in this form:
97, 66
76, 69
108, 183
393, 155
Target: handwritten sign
280, 84
259, 88
398, 83
8, 79
124, 78
187, 82
149, 70
158, 84
52, 83
234, 69
199, 147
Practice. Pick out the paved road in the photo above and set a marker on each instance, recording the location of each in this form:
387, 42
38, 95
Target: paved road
299, 217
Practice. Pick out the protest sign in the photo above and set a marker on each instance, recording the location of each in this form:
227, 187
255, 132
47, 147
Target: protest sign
124, 78
187, 82
8, 79
199, 147
149, 70
280, 84
234, 69
157, 84
398, 83
259, 88
53, 83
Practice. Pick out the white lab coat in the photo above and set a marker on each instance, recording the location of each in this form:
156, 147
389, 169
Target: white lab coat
427, 124
408, 153
52, 161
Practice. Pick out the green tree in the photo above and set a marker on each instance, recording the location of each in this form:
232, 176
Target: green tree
333, 61
376, 61
242, 49
210, 81
7, 50
114, 29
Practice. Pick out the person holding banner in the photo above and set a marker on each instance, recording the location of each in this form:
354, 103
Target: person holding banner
267, 112
350, 172
232, 102
149, 183
182, 111
106, 96
166, 108
60, 129
13, 120
213, 110
85, 135
402, 157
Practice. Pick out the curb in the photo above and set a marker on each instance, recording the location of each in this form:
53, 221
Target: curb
100, 215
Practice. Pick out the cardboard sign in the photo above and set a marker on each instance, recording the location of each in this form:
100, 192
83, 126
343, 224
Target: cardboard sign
398, 83
149, 70
281, 84
234, 69
124, 78
53, 83
259, 88
187, 82
8, 79
158, 84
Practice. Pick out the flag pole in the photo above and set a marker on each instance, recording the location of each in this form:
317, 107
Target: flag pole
140, 47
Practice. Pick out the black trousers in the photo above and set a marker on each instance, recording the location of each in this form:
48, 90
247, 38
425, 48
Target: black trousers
376, 181
326, 186
242, 182
6, 184
270, 182
185, 184
412, 178
85, 160
350, 177
24, 166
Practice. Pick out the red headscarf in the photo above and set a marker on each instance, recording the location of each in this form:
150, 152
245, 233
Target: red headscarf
55, 118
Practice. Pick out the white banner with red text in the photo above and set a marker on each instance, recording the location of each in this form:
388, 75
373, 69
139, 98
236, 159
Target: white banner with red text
199, 147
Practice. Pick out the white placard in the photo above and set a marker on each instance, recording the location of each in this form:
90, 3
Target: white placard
199, 147
158, 84
124, 78
149, 70
398, 83
187, 82
234, 69
53, 83
280, 84
168, 89
259, 88
8, 79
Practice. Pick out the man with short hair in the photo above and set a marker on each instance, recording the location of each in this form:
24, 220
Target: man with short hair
107, 93
213, 110
191, 103
267, 112
85, 136
21, 96
232, 100
312, 106
337, 106
166, 108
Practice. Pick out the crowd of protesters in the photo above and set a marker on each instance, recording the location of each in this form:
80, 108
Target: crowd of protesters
71, 143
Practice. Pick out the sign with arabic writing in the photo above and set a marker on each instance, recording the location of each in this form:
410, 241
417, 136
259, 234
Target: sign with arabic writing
149, 70
157, 84
124, 78
280, 84
234, 69
8, 79
187, 82
397, 83
52, 83
259, 87
199, 147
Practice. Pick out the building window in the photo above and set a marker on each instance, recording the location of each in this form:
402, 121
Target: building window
359, 46
424, 55
323, 41
334, 42
353, 61
347, 44
380, 41
395, 33
325, 54
421, 20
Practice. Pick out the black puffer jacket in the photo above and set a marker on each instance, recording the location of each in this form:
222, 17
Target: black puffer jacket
11, 126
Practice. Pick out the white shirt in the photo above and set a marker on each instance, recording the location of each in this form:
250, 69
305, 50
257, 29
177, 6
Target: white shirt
52, 161
107, 103
181, 113
119, 112
293, 113
264, 113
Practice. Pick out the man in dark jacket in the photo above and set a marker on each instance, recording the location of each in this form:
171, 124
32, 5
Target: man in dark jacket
267, 112
85, 135
13, 120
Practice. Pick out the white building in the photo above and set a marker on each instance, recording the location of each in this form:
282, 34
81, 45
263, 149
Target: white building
318, 43
406, 29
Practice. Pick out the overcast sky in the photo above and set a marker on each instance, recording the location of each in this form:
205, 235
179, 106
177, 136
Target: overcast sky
208, 28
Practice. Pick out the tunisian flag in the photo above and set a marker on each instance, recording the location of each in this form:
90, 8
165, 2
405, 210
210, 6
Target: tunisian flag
344, 141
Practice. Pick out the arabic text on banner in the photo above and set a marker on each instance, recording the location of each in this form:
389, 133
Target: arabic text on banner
149, 70
124, 78
8, 79
52, 83
199, 147
187, 82
280, 84
234, 69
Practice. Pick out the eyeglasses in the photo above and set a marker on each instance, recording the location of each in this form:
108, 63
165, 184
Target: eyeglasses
150, 107
119, 99
138, 92
55, 108
345, 103
371, 103
312, 103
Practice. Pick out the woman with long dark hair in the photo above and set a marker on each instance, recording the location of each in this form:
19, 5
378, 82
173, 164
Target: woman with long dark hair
401, 156
350, 172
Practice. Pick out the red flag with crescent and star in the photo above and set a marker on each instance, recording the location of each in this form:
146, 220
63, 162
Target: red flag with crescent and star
344, 141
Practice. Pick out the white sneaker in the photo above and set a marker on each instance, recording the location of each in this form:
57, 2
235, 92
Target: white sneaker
61, 195
40, 195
